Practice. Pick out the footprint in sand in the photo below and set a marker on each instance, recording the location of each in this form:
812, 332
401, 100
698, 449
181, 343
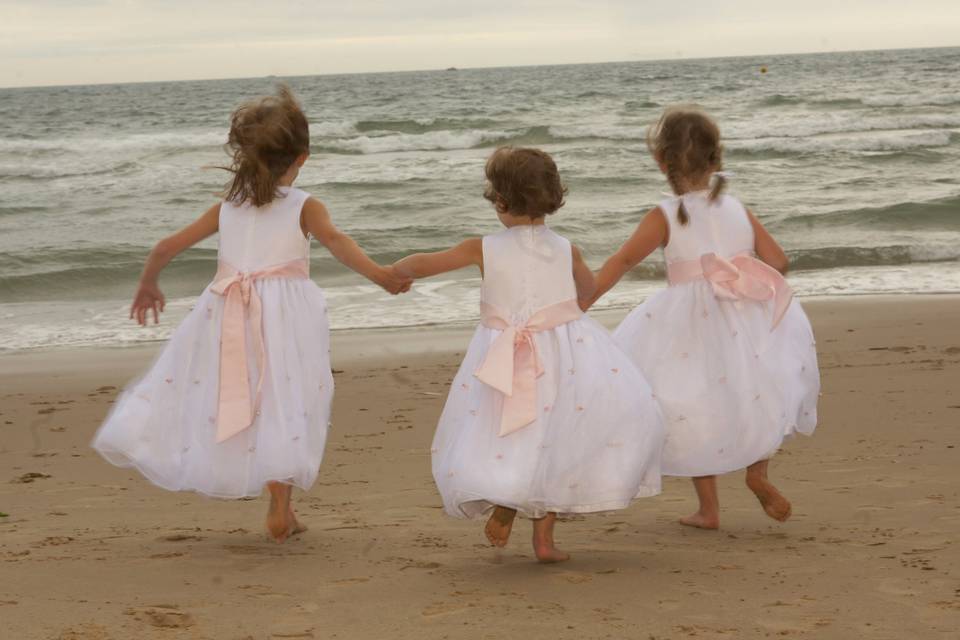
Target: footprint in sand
88, 631
162, 616
574, 577
441, 609
33, 476
179, 537
54, 541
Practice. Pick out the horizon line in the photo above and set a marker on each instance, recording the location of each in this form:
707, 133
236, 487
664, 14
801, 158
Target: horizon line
470, 68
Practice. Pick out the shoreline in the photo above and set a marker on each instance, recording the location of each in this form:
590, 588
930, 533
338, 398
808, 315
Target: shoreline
355, 344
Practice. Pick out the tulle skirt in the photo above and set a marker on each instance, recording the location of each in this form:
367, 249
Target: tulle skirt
730, 389
164, 424
595, 445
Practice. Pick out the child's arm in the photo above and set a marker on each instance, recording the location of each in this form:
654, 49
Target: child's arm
148, 296
423, 265
766, 248
650, 234
583, 277
316, 220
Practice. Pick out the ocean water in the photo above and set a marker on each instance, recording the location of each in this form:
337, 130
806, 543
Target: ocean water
852, 160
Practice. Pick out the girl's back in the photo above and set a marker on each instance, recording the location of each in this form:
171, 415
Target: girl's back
525, 269
254, 238
720, 226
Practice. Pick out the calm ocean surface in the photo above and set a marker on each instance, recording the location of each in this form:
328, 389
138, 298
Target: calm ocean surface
851, 159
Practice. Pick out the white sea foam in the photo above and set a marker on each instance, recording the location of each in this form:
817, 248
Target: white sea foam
873, 141
429, 141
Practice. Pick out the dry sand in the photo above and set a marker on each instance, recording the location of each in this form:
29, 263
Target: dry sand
88, 551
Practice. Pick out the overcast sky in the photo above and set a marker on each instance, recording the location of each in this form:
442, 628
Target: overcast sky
51, 42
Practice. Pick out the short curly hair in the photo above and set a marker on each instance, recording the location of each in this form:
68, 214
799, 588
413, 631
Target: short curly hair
523, 182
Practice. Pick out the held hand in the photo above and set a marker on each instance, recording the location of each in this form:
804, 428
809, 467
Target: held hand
393, 282
148, 297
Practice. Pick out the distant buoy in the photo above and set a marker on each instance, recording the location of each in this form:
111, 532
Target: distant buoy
763, 69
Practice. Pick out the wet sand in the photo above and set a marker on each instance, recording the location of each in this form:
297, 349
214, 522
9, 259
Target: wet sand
89, 551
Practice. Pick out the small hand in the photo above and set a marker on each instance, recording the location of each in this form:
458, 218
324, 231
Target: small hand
148, 297
394, 282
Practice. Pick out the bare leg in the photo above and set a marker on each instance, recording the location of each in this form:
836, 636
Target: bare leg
543, 545
772, 501
708, 515
499, 525
278, 516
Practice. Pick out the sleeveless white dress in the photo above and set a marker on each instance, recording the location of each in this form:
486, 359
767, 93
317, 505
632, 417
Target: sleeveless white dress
166, 424
594, 443
730, 386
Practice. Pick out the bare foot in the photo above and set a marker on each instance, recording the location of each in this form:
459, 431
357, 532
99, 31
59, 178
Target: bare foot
278, 516
543, 545
772, 501
296, 527
701, 521
549, 554
499, 526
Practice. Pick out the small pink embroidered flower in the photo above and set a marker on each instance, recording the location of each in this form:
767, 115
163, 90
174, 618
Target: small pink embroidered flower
499, 456
684, 355
736, 333
464, 386
615, 370
571, 371
648, 314
580, 340
705, 314
295, 438
473, 412
169, 380
212, 420
546, 408
722, 380
579, 407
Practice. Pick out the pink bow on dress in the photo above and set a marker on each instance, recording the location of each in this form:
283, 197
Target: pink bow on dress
741, 277
242, 306
512, 364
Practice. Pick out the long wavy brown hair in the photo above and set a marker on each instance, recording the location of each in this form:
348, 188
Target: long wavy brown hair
267, 135
686, 141
524, 182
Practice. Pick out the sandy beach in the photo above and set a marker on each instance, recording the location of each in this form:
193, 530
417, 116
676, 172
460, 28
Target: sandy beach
92, 552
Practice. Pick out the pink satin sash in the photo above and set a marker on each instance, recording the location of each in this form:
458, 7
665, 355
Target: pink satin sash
512, 365
242, 307
741, 277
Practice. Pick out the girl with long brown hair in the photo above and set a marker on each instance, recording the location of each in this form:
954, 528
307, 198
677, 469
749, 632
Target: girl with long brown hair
240, 396
729, 354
